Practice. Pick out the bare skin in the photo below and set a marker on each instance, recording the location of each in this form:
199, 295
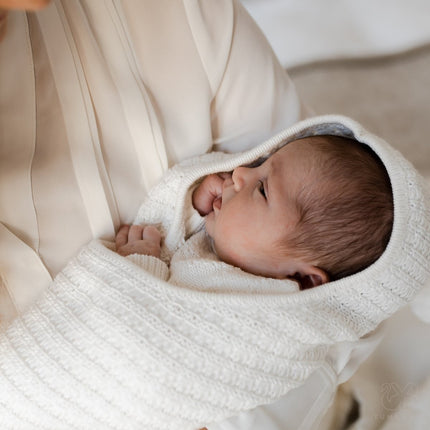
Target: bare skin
138, 239
248, 210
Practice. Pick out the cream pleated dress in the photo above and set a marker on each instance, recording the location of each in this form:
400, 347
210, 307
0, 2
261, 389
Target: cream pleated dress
98, 99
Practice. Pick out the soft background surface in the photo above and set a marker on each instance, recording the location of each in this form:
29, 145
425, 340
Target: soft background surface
303, 31
371, 61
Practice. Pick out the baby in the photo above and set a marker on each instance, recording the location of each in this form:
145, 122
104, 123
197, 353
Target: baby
134, 342
318, 209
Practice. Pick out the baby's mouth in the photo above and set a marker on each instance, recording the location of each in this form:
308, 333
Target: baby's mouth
217, 203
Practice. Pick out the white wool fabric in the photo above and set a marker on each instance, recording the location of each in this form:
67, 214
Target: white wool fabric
119, 343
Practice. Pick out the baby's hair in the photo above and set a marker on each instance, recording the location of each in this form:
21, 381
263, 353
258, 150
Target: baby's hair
345, 217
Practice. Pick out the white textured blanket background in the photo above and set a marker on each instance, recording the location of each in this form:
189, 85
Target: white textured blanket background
369, 60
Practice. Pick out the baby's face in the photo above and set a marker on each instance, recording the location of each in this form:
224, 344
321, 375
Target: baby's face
257, 210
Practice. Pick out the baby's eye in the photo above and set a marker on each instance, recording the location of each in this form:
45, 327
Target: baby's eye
261, 189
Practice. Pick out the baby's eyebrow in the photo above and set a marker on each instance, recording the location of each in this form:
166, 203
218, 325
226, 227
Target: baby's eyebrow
267, 188
275, 166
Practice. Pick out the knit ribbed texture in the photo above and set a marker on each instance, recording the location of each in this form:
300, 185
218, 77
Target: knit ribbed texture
112, 345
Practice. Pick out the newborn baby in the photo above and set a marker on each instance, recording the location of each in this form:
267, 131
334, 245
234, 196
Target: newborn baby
223, 327
318, 209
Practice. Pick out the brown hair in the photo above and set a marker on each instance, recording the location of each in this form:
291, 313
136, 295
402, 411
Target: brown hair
345, 218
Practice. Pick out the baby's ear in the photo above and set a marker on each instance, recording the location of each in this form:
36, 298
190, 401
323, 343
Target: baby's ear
311, 277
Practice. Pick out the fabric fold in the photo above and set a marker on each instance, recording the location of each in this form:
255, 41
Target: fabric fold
81, 125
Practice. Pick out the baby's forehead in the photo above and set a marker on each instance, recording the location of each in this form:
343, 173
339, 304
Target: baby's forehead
302, 148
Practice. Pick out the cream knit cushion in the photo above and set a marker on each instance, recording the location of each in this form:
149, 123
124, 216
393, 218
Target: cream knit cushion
112, 345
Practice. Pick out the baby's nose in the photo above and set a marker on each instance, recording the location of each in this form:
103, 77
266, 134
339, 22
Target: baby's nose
239, 177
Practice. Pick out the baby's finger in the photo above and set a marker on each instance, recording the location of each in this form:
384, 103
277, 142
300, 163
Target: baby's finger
215, 185
205, 194
135, 233
152, 234
121, 237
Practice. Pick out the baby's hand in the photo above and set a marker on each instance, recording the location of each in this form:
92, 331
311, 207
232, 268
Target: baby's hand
138, 239
205, 194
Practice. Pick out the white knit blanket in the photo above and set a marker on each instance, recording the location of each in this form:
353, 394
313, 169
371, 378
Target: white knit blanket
117, 344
